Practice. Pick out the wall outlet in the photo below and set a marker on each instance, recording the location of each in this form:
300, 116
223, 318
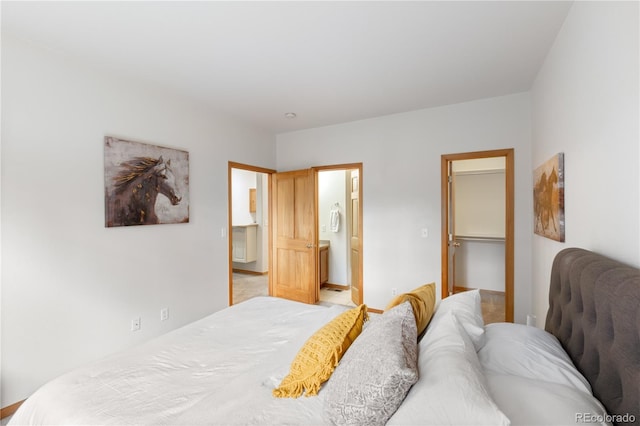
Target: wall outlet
394, 291
164, 314
135, 324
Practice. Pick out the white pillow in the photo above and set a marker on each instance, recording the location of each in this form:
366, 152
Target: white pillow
530, 352
451, 389
533, 402
467, 308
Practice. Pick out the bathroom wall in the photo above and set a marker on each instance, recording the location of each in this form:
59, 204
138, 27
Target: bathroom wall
242, 180
332, 190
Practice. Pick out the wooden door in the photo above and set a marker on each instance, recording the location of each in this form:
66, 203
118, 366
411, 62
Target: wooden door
294, 240
355, 239
452, 244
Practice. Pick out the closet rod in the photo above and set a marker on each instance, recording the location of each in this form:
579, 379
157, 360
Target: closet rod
478, 238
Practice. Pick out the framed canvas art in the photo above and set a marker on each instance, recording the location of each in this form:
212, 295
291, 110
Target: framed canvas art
548, 199
144, 184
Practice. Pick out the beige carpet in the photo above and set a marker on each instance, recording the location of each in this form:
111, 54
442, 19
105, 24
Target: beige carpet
246, 286
493, 309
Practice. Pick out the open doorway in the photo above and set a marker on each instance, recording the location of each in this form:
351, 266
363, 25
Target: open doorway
248, 232
477, 233
251, 233
335, 228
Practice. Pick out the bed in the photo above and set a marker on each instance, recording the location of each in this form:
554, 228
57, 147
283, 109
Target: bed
226, 368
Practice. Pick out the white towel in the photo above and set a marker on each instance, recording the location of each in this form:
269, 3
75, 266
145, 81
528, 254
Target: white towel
334, 220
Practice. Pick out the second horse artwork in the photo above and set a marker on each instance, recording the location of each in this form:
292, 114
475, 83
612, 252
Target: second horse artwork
548, 199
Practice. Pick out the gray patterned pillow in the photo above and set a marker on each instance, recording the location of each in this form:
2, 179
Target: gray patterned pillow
377, 371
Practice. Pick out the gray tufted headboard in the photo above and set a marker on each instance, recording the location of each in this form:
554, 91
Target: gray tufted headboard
594, 310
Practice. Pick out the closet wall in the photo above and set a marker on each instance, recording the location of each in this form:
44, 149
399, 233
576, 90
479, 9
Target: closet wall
480, 223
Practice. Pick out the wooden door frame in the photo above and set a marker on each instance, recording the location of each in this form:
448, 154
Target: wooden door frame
349, 166
268, 172
508, 154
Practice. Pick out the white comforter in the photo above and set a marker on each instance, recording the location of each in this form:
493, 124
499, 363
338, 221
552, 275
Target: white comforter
219, 370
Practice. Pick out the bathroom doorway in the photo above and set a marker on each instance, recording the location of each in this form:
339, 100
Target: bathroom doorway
338, 252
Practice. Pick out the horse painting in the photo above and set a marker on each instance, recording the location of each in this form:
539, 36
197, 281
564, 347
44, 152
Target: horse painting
548, 200
134, 187
543, 197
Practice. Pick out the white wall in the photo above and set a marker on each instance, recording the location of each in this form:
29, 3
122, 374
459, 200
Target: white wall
401, 184
585, 104
331, 189
480, 201
242, 181
70, 287
480, 264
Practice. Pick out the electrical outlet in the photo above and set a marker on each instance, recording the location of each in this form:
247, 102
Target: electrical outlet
394, 291
164, 314
135, 324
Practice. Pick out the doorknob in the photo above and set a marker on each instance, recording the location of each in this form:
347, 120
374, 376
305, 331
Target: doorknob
309, 245
455, 244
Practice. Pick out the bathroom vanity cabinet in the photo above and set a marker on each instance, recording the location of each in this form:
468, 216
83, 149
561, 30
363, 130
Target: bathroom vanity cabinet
324, 262
244, 243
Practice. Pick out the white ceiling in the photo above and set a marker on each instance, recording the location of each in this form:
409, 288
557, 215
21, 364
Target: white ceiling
329, 62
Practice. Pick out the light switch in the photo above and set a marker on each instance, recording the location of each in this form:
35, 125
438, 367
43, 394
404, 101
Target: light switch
135, 324
424, 232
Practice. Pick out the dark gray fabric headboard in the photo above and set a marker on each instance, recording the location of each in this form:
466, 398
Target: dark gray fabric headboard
594, 310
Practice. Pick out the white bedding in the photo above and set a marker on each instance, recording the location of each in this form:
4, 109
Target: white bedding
533, 380
188, 376
222, 369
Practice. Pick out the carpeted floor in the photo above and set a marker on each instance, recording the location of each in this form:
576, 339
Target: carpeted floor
492, 306
246, 286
